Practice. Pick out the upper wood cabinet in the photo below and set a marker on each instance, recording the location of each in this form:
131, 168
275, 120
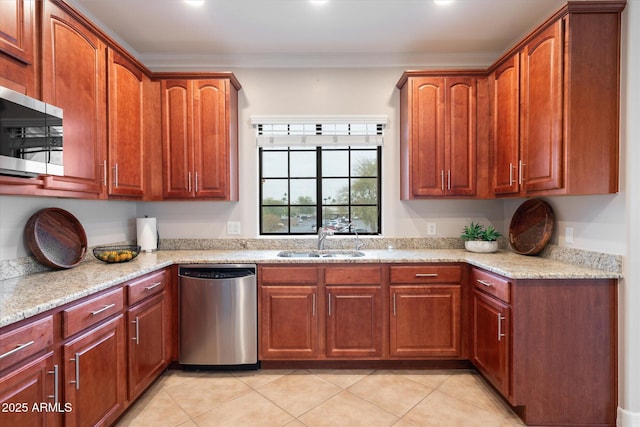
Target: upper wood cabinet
555, 111
200, 138
17, 46
125, 163
438, 135
73, 75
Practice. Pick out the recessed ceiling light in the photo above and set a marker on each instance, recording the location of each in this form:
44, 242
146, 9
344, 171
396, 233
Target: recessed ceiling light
443, 2
319, 2
194, 2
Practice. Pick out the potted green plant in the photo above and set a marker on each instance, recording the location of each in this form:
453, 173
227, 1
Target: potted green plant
477, 238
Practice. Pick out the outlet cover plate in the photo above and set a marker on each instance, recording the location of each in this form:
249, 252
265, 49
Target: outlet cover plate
233, 228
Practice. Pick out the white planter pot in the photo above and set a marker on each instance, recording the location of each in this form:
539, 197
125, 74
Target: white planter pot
481, 246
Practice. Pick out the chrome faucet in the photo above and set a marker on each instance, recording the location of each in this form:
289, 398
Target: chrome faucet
323, 233
358, 244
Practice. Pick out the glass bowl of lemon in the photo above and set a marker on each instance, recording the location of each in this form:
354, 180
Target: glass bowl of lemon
115, 254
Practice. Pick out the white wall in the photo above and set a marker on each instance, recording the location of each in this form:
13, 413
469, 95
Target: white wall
104, 222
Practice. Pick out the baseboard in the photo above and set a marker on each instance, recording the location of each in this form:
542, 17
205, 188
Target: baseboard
628, 418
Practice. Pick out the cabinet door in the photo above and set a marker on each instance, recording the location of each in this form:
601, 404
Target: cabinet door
354, 321
425, 321
541, 116
17, 47
73, 71
505, 82
490, 323
426, 151
95, 375
148, 335
125, 154
210, 138
32, 385
460, 136
288, 322
177, 139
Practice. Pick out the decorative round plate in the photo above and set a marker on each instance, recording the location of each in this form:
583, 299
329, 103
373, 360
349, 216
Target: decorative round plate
56, 238
531, 227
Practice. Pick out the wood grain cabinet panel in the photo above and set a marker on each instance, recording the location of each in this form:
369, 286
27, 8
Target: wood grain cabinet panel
17, 46
74, 79
125, 160
553, 132
200, 138
95, 375
438, 135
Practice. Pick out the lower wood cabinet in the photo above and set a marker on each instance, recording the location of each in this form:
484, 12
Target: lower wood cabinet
30, 395
95, 375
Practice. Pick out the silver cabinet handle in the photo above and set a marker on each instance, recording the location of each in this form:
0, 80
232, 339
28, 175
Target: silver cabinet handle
394, 304
17, 349
500, 319
189, 181
426, 274
54, 396
442, 179
155, 285
115, 175
510, 174
137, 337
482, 282
196, 182
520, 171
103, 166
313, 304
449, 180
329, 304
105, 308
77, 361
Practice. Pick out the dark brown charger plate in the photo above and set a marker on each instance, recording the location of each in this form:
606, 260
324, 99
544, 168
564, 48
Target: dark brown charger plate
56, 238
531, 227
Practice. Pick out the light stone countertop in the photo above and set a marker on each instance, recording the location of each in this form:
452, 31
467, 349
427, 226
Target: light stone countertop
26, 296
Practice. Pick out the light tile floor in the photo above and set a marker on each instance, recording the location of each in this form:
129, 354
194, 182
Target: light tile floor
292, 398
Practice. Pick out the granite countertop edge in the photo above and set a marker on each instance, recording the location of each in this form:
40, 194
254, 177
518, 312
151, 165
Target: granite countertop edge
26, 296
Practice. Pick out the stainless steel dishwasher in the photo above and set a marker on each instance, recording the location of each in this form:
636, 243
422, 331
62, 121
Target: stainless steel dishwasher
218, 315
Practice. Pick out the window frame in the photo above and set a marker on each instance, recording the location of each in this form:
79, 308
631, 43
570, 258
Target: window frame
320, 205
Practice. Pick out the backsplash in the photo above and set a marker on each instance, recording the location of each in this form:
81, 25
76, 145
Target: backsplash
597, 260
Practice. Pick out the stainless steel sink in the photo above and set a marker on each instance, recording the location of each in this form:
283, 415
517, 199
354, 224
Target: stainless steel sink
313, 253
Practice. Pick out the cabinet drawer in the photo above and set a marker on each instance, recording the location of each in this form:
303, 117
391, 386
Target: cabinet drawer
25, 341
88, 313
494, 285
147, 286
288, 275
353, 275
426, 274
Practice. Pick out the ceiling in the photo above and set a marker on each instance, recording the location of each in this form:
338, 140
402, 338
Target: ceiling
223, 34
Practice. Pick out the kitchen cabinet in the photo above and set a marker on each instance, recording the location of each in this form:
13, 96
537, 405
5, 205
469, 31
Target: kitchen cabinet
354, 312
74, 79
288, 313
17, 46
490, 328
551, 130
94, 359
30, 375
149, 331
549, 346
438, 116
200, 138
425, 312
124, 166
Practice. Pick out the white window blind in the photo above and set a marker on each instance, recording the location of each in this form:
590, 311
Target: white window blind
288, 131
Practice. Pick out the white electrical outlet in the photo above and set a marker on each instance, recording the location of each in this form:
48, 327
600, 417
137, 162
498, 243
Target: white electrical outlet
568, 235
233, 228
431, 229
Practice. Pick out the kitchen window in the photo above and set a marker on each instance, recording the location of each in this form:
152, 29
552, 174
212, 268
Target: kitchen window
320, 174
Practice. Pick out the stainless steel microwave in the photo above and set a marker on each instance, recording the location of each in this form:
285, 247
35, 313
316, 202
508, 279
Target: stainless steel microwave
30, 136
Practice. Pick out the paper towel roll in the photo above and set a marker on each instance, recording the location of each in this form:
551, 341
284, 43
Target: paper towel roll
147, 234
